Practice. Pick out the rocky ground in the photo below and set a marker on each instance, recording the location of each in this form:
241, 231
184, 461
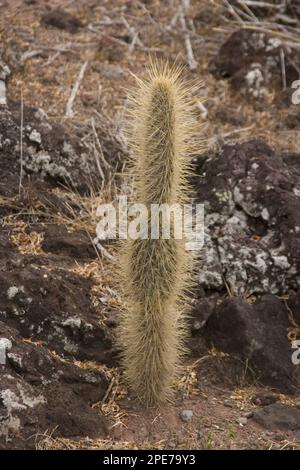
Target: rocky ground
61, 386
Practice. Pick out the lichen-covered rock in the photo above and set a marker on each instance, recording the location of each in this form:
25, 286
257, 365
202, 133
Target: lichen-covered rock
54, 307
251, 250
252, 61
39, 392
252, 220
50, 152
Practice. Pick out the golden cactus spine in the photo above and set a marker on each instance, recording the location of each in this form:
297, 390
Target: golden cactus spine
156, 272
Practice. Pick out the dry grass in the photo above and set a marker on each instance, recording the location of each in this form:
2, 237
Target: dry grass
27, 242
47, 442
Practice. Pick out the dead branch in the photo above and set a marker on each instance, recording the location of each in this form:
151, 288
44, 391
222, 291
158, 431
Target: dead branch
283, 69
3, 101
21, 143
30, 54
132, 32
187, 40
101, 154
69, 110
4, 74
232, 11
253, 3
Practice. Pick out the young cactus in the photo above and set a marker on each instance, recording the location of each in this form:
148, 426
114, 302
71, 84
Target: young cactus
156, 272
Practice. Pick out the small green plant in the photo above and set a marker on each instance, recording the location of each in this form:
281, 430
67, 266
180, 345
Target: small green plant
156, 272
230, 430
208, 441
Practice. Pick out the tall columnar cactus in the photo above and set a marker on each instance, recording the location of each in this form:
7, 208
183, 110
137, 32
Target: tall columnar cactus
156, 272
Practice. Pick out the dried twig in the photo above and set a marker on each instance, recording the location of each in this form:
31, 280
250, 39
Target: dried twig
203, 110
109, 388
69, 110
232, 11
248, 10
133, 43
99, 167
253, 3
106, 164
283, 70
21, 143
132, 31
187, 40
4, 74
3, 101
30, 54
174, 20
102, 250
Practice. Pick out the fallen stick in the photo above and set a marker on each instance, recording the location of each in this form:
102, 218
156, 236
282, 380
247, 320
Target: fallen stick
253, 3
101, 154
132, 31
21, 144
30, 54
283, 69
3, 101
69, 110
187, 41
232, 11
4, 74
203, 110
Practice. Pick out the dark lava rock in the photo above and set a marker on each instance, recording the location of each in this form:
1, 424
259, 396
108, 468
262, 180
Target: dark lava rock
264, 398
292, 121
251, 197
230, 115
61, 19
251, 60
76, 245
257, 333
6, 248
294, 306
53, 306
200, 312
222, 371
51, 152
278, 416
39, 392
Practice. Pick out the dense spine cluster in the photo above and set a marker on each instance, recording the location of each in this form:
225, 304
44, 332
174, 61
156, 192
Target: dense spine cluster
156, 272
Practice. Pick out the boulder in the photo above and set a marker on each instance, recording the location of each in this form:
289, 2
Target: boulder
53, 306
251, 197
251, 61
278, 416
39, 392
257, 332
